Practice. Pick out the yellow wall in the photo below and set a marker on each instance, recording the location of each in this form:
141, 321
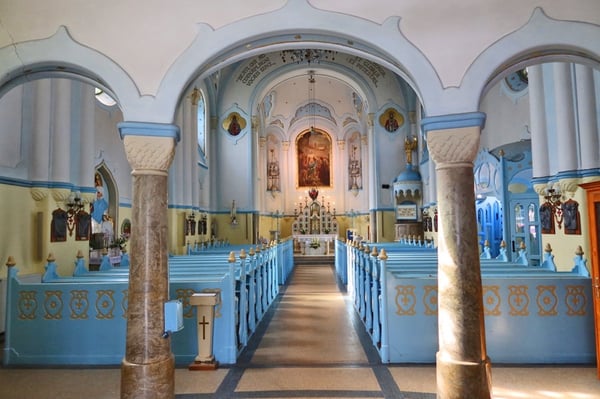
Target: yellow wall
27, 215
564, 245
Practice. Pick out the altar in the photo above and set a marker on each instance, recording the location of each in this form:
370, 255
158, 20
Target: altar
314, 244
315, 229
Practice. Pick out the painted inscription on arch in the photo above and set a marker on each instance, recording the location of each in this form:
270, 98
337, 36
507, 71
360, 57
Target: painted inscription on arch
254, 69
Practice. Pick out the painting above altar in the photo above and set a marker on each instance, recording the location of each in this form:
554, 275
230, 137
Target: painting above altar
314, 159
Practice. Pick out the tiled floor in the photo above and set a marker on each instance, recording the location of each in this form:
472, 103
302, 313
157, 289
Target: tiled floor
310, 345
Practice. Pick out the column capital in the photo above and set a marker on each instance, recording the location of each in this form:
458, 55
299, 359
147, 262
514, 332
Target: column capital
453, 146
149, 147
453, 138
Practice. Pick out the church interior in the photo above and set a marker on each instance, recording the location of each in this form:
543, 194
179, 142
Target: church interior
279, 132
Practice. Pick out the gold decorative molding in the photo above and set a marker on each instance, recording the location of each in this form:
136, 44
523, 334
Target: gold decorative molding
491, 300
53, 305
105, 304
405, 300
370, 120
195, 96
27, 305
125, 303
575, 300
364, 140
518, 300
79, 304
547, 300
430, 300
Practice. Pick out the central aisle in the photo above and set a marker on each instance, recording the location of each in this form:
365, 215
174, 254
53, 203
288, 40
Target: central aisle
312, 346
312, 324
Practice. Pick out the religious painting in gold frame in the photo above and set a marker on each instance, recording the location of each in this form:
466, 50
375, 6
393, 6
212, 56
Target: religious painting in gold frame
313, 155
391, 120
234, 123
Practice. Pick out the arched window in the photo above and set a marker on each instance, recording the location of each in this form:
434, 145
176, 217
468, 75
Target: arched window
201, 126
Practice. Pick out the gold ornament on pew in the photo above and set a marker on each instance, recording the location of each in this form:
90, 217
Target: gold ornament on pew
10, 262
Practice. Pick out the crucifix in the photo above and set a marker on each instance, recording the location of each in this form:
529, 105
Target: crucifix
205, 303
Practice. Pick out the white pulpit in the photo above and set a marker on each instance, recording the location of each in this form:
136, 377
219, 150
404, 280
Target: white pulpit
205, 303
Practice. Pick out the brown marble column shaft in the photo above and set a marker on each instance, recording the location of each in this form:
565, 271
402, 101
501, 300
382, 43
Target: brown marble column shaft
463, 369
148, 369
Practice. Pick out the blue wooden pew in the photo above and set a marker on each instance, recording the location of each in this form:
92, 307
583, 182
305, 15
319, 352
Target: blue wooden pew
382, 287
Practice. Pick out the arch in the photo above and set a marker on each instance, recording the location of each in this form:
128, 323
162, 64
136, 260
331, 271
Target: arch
214, 49
324, 70
61, 56
542, 39
385, 44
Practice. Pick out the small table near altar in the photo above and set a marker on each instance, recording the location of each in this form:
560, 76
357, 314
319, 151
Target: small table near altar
324, 243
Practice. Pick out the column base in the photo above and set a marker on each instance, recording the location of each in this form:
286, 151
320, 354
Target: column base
202, 366
148, 381
462, 379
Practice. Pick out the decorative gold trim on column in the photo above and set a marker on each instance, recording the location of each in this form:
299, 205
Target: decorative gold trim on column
195, 96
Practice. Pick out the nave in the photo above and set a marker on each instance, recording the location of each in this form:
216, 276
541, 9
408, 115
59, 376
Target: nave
310, 345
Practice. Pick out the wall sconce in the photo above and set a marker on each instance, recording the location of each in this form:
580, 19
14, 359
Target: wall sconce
553, 198
74, 206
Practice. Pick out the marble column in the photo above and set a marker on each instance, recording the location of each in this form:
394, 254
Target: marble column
463, 368
148, 369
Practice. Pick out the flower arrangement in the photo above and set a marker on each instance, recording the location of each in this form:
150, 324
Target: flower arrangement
120, 242
315, 243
